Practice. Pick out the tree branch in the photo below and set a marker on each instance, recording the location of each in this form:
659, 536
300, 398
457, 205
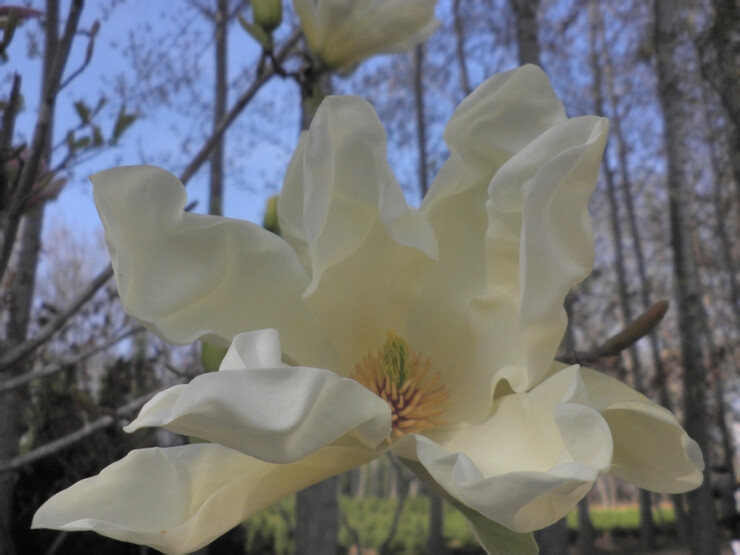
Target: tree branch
92, 34
632, 332
205, 151
44, 334
70, 439
54, 325
56, 367
403, 482
40, 132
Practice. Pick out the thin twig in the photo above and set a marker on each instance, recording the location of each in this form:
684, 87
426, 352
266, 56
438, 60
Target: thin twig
43, 335
352, 531
40, 132
6, 138
56, 367
628, 336
70, 439
385, 547
92, 34
55, 324
205, 151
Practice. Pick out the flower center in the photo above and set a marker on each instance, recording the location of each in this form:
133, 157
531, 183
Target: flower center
398, 375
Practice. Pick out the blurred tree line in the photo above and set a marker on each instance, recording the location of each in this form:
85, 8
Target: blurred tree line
666, 216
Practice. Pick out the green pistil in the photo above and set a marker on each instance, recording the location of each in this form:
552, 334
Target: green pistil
396, 359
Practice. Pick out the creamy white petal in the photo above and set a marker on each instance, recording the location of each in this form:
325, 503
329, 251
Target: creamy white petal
179, 499
368, 250
188, 275
278, 414
651, 450
539, 245
495, 538
344, 32
501, 117
529, 463
254, 349
520, 500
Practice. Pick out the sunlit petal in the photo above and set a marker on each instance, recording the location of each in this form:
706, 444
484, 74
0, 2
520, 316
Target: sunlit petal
344, 32
368, 250
278, 414
500, 118
181, 498
539, 244
651, 450
187, 275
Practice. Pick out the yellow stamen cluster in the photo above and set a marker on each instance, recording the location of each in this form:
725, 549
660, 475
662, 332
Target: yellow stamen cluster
397, 374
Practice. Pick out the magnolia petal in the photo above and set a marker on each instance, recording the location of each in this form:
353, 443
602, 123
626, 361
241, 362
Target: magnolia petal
539, 244
529, 463
179, 499
188, 275
495, 538
521, 501
651, 450
492, 536
368, 250
278, 414
255, 349
343, 33
501, 117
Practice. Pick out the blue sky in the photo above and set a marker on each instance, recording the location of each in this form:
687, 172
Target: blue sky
155, 135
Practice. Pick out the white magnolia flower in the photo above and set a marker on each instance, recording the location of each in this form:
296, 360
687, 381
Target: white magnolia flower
344, 32
430, 333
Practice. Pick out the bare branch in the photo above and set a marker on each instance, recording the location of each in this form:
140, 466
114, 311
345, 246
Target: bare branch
40, 132
6, 137
57, 367
352, 531
205, 151
56, 324
44, 334
632, 332
385, 547
70, 439
92, 34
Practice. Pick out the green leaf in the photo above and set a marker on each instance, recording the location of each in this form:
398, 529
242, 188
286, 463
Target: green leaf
82, 142
211, 356
257, 33
99, 105
82, 111
98, 139
123, 122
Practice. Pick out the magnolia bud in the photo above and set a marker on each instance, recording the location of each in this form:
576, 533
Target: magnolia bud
268, 14
270, 221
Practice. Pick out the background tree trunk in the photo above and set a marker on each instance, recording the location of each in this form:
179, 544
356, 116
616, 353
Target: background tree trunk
19, 288
220, 96
317, 507
671, 47
647, 526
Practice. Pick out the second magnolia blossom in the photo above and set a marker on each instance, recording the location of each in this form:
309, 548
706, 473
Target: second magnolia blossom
342, 33
430, 333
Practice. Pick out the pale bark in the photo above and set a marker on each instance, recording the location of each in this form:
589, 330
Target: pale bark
435, 543
647, 526
671, 40
722, 71
216, 186
525, 15
317, 507
421, 133
21, 284
460, 47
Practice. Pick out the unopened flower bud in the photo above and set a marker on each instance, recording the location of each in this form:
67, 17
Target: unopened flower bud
268, 14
